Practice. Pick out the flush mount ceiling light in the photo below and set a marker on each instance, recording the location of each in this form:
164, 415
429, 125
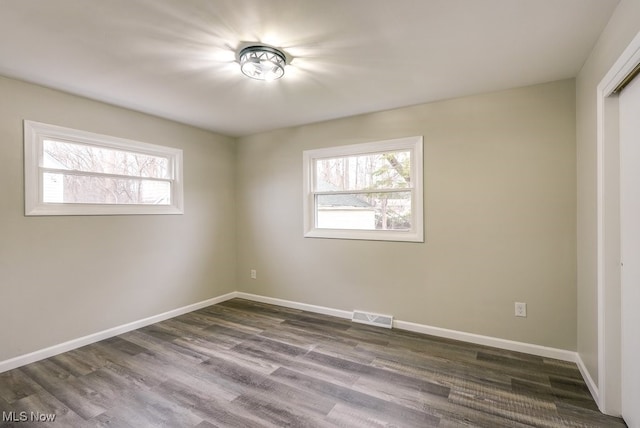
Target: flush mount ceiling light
262, 62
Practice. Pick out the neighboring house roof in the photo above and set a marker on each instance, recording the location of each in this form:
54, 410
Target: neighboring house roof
341, 200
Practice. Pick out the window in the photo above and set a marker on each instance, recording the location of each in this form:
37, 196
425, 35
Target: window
71, 172
365, 191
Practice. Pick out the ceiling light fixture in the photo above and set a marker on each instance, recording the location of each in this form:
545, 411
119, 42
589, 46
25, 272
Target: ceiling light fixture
262, 62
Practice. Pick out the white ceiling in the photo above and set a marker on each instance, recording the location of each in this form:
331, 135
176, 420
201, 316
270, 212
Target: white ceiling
176, 58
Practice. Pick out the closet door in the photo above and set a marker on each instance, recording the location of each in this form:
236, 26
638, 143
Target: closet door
630, 250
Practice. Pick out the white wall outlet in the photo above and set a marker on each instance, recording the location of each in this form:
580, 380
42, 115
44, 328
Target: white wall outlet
521, 309
254, 274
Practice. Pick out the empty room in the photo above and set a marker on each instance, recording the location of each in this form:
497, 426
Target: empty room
319, 213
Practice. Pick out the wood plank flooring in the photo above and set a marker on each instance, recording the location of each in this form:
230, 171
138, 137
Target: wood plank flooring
246, 364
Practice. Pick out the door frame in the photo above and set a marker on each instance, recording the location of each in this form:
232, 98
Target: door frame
607, 391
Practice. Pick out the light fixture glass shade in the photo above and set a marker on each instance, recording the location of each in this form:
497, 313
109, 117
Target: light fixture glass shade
262, 62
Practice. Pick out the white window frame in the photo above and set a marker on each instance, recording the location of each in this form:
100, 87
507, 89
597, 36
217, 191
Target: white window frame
34, 135
415, 234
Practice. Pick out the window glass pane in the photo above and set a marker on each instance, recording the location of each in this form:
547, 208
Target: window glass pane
389, 170
80, 189
80, 157
368, 211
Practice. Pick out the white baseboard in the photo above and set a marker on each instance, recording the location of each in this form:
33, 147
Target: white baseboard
528, 348
593, 388
542, 351
510, 345
105, 334
295, 305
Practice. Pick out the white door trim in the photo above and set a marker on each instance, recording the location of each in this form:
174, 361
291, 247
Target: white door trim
608, 322
630, 252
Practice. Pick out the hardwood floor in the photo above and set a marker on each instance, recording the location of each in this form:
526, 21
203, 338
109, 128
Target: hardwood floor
246, 364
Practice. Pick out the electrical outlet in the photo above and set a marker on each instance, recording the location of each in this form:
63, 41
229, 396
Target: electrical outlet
521, 309
254, 274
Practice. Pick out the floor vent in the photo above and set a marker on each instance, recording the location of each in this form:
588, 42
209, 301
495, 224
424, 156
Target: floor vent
378, 320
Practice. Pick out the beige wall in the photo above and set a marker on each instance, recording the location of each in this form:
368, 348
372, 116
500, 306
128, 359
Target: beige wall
499, 219
500, 205
623, 26
62, 278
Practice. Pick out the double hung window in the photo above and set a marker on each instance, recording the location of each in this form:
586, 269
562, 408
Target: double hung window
365, 191
71, 172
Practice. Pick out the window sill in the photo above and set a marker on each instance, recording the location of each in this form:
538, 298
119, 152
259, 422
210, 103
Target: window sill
367, 235
88, 209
